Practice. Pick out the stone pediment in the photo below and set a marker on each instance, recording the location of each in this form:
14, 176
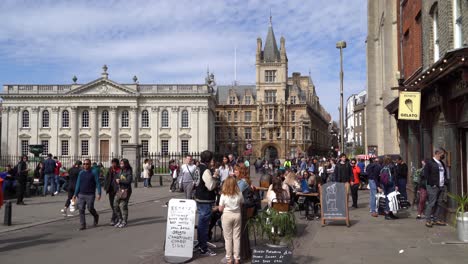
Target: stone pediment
102, 86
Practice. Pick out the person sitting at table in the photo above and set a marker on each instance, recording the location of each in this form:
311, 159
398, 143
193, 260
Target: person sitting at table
277, 193
9, 182
310, 185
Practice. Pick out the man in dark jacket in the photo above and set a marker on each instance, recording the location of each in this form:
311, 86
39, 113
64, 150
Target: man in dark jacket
435, 173
373, 172
343, 171
49, 174
111, 187
85, 189
205, 197
73, 177
22, 178
402, 174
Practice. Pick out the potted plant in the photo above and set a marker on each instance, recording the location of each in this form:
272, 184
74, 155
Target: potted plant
278, 225
461, 217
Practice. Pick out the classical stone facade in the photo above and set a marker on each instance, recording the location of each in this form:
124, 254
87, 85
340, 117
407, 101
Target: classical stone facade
382, 75
279, 116
97, 118
355, 125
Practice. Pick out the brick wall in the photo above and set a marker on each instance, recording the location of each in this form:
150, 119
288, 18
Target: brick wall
411, 31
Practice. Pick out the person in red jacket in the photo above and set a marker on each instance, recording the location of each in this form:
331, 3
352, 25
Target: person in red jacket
58, 165
354, 181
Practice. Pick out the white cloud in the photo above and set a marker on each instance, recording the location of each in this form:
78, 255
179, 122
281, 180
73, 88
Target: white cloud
174, 41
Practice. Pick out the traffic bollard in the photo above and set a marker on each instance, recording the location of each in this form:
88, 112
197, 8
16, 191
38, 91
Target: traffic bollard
160, 180
7, 219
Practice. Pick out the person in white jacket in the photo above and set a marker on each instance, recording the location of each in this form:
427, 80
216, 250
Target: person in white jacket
146, 172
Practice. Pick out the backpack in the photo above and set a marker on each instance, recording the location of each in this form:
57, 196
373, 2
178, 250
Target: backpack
386, 177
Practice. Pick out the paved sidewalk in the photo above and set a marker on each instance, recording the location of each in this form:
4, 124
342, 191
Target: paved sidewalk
41, 210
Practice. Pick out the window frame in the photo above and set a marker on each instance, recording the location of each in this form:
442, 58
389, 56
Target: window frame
24, 147
164, 147
25, 120
145, 119
85, 119
457, 24
249, 115
65, 119
182, 143
145, 147
270, 96
435, 34
84, 147
125, 119
45, 122
64, 147
248, 133
270, 76
45, 146
185, 121
105, 119
165, 119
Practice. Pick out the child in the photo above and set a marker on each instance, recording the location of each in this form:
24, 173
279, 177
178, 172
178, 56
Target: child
230, 204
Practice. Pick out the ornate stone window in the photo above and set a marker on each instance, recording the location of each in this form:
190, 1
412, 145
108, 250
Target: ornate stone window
247, 100
185, 119
84, 147
293, 116
248, 133
145, 118
125, 118
24, 147
270, 96
293, 133
232, 100
105, 118
164, 147
45, 147
165, 119
270, 76
247, 116
184, 146
85, 119
45, 119
25, 119
64, 147
65, 119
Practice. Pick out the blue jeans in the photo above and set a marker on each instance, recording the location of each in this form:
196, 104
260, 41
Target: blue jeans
204, 217
387, 190
373, 191
146, 182
49, 178
57, 183
402, 187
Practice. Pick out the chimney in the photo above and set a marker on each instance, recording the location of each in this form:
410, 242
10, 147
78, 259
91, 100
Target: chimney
296, 78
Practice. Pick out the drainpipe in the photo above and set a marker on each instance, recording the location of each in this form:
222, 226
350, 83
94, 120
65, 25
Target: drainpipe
402, 65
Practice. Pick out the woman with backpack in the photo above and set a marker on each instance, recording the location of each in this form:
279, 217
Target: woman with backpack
230, 205
388, 184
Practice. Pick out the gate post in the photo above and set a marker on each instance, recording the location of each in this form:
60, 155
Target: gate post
132, 152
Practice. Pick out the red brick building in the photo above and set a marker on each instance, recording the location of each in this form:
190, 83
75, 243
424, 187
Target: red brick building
410, 39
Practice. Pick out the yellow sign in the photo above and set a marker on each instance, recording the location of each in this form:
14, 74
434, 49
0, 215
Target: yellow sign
409, 106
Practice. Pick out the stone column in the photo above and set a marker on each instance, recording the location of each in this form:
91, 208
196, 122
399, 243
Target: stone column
54, 129
5, 133
135, 125
154, 124
114, 124
203, 128
16, 125
174, 124
94, 129
34, 124
75, 149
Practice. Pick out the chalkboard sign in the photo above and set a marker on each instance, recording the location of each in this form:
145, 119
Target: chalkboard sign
180, 230
334, 202
271, 255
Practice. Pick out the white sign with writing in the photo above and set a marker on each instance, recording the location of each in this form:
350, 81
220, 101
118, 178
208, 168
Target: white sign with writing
180, 230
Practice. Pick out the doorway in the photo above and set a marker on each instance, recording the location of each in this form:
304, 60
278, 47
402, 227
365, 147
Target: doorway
271, 153
104, 149
464, 161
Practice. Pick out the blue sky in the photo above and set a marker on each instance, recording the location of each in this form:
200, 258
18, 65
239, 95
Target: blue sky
48, 42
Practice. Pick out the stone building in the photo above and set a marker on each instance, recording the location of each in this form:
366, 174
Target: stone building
382, 75
97, 118
355, 124
442, 78
279, 116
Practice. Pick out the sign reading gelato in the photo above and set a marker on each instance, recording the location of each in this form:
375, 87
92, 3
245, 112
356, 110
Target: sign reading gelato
409, 105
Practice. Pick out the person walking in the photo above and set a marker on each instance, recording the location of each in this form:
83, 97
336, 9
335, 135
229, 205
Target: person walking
22, 178
73, 177
343, 171
124, 181
402, 176
57, 168
110, 186
387, 178
230, 205
373, 171
150, 173
435, 174
49, 174
205, 197
174, 169
188, 172
354, 181
85, 189
146, 173
420, 181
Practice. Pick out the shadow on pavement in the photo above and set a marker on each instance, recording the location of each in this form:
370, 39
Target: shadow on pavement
20, 243
146, 221
12, 240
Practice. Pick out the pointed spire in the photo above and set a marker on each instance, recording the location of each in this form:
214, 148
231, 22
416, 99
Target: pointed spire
271, 52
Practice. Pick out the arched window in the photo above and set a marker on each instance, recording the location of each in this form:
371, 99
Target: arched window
65, 118
125, 118
185, 119
144, 118
25, 118
45, 119
85, 119
105, 118
165, 118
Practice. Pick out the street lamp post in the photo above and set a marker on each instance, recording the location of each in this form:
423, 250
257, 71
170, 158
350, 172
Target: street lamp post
341, 45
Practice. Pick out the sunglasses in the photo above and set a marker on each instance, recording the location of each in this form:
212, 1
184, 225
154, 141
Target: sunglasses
86, 163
